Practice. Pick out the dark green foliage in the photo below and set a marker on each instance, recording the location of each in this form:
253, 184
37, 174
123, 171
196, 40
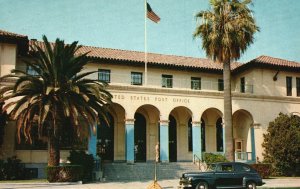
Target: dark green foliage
213, 158
282, 144
66, 173
3, 120
264, 169
11, 169
85, 160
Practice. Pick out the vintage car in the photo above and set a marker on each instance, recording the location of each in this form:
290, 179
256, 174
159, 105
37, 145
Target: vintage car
222, 175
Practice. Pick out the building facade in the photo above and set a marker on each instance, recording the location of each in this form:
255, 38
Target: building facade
177, 103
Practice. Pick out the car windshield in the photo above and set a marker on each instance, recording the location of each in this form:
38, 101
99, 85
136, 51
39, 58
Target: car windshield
211, 167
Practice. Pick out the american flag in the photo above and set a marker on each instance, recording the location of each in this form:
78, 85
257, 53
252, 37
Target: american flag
151, 15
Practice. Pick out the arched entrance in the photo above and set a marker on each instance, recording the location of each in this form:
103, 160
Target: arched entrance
172, 139
243, 135
219, 135
211, 120
105, 137
140, 137
203, 136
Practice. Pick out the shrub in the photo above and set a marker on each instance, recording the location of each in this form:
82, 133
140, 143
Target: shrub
11, 169
65, 173
85, 160
213, 158
264, 169
282, 144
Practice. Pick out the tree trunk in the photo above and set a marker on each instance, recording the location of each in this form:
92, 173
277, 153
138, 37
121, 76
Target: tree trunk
229, 149
53, 149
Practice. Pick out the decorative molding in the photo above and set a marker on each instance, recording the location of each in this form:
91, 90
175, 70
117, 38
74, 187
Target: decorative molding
129, 121
255, 125
196, 123
164, 122
196, 93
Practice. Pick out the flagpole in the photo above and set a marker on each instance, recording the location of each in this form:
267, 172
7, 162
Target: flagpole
145, 37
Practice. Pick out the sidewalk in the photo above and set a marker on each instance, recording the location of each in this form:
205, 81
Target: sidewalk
166, 184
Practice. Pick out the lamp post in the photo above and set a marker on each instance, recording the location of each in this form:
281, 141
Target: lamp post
154, 184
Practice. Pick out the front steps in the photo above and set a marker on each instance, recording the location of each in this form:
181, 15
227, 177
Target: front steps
145, 171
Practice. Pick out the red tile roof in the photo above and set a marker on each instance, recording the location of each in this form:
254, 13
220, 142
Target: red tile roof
276, 61
10, 34
180, 61
152, 58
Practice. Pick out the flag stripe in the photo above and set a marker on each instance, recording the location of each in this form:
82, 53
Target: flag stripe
151, 15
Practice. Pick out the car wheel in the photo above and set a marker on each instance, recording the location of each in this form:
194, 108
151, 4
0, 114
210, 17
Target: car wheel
251, 185
202, 185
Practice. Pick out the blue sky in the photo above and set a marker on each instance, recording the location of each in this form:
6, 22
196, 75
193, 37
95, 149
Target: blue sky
120, 24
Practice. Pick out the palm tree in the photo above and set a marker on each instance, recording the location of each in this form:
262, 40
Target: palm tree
226, 31
57, 91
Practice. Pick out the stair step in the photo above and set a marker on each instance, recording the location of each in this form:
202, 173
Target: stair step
145, 171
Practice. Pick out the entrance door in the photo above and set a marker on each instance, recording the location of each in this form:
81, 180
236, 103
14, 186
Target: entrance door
172, 139
105, 136
139, 137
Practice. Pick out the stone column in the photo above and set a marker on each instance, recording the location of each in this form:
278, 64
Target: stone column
197, 142
164, 140
253, 149
129, 140
92, 144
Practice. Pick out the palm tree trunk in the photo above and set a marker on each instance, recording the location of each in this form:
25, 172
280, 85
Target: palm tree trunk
53, 142
229, 149
53, 149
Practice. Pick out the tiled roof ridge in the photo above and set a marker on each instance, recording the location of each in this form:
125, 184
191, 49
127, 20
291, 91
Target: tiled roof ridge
149, 53
275, 58
7, 33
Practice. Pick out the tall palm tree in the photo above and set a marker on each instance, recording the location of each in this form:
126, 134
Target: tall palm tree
57, 91
226, 31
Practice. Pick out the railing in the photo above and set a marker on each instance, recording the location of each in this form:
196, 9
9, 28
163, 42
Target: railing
243, 156
202, 166
244, 88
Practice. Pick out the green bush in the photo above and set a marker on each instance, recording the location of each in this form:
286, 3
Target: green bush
264, 169
85, 160
282, 145
11, 169
65, 173
213, 158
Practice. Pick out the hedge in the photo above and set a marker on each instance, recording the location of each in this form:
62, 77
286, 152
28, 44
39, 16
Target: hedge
264, 169
65, 173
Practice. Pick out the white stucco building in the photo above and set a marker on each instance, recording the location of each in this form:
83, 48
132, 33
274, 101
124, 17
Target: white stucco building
181, 106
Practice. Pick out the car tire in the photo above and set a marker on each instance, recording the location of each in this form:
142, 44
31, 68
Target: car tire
202, 185
251, 185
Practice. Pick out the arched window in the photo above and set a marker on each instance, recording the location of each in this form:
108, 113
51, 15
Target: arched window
219, 135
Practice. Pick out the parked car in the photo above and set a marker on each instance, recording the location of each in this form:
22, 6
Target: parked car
222, 175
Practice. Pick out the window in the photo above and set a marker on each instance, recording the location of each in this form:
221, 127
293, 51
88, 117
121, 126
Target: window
226, 168
167, 81
31, 71
196, 83
298, 85
220, 85
288, 86
245, 168
242, 87
104, 75
136, 78
190, 135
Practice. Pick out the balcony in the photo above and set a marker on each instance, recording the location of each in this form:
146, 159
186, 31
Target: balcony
244, 157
